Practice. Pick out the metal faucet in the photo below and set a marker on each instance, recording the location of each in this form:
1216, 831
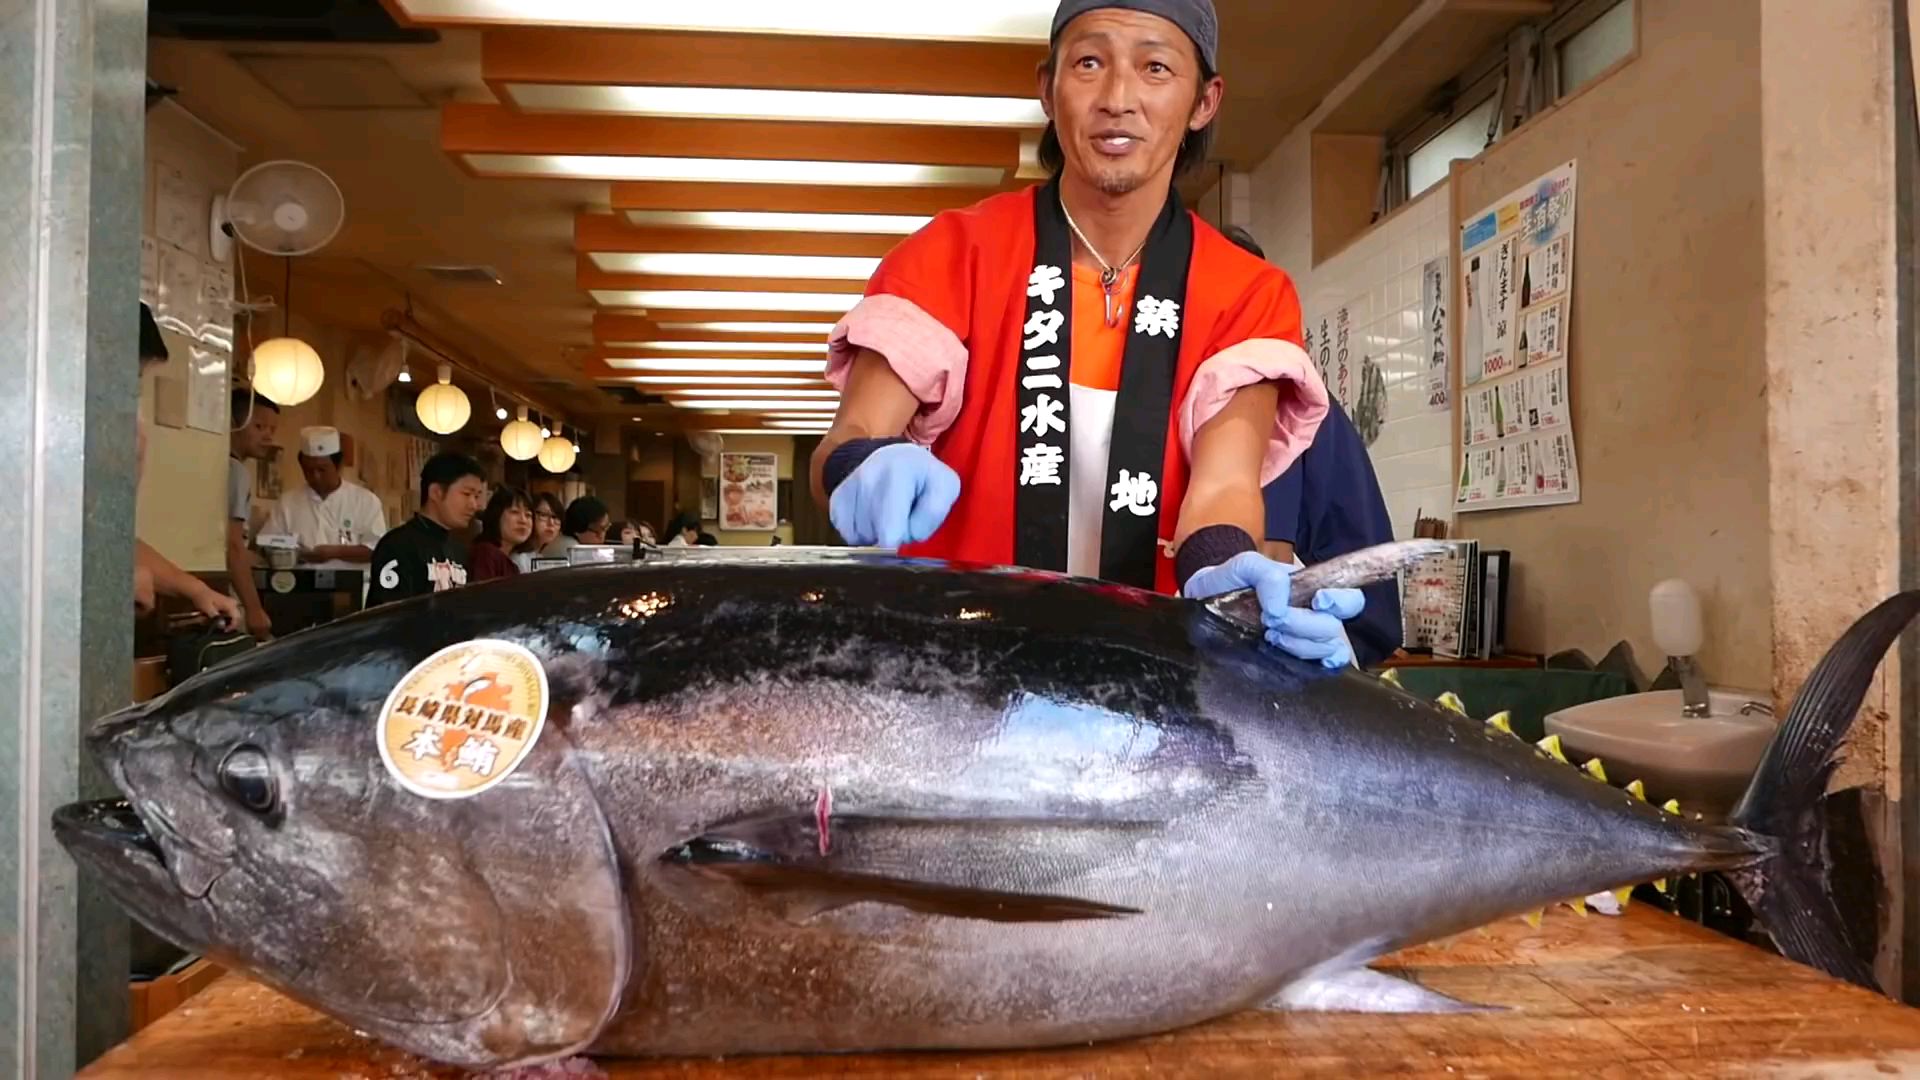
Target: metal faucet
1693, 687
1752, 707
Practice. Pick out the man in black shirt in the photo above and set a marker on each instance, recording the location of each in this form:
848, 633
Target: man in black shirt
422, 557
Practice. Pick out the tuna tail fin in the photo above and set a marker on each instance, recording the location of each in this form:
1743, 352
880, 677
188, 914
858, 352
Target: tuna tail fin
1349, 571
1788, 888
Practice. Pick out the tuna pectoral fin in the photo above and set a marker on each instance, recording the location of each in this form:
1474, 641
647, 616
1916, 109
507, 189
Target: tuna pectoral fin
1362, 989
802, 888
1788, 889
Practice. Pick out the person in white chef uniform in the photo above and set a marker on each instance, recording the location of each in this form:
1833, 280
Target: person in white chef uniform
335, 519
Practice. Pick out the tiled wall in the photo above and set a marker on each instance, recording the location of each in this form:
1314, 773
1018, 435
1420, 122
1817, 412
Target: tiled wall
1378, 282
1377, 279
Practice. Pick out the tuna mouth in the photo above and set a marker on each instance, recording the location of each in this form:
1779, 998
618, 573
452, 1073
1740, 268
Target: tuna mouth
105, 825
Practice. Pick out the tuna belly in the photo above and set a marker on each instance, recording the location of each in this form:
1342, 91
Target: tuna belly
1008, 934
872, 977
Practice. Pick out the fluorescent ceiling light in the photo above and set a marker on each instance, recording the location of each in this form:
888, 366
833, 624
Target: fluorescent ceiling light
693, 264
740, 103
735, 170
794, 416
821, 328
703, 300
819, 393
978, 20
756, 431
758, 221
750, 404
802, 425
806, 347
717, 380
717, 364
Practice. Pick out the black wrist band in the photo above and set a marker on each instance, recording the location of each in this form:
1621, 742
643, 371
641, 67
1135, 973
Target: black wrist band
1210, 546
847, 457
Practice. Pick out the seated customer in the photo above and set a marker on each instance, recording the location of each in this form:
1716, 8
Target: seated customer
585, 522
505, 524
683, 531
547, 512
424, 556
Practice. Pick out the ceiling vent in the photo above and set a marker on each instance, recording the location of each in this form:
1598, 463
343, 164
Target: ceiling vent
627, 395
339, 22
464, 275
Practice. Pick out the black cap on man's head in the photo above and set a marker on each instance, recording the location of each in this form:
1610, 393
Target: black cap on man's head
1196, 17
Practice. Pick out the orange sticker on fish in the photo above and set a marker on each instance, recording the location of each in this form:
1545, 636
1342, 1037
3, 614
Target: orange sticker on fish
463, 719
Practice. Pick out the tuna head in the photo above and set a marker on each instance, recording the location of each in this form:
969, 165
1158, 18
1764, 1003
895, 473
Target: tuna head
263, 827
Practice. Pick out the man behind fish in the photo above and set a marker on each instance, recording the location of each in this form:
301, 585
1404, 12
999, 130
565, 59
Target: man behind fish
423, 556
1328, 504
1083, 376
335, 518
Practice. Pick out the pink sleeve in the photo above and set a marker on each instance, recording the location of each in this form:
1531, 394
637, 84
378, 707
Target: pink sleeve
920, 349
1303, 398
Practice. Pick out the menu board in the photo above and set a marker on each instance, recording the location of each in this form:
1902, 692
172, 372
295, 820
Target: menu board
1516, 425
749, 492
1435, 599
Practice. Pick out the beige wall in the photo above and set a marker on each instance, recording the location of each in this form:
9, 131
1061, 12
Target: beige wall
182, 507
1668, 344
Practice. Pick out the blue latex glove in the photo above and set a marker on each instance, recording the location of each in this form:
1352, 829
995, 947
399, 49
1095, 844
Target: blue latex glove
1310, 634
899, 495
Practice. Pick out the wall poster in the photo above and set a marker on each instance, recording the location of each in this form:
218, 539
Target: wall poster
749, 491
1355, 380
1516, 427
1433, 314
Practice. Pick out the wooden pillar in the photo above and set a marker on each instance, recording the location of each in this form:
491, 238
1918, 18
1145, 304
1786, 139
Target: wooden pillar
1833, 371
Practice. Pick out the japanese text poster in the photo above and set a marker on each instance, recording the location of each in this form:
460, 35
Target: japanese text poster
749, 491
1516, 426
1433, 308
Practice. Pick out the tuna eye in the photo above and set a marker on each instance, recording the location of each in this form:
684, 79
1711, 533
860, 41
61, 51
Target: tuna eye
247, 775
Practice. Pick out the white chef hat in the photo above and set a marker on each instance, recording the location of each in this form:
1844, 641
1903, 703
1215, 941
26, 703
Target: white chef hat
319, 441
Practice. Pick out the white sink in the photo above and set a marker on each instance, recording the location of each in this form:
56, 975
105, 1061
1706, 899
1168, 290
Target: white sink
1703, 761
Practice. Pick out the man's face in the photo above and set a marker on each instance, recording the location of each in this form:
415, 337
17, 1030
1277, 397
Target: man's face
256, 438
1125, 90
460, 502
323, 476
598, 533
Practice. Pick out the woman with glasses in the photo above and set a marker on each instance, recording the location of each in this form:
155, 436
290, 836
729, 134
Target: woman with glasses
547, 511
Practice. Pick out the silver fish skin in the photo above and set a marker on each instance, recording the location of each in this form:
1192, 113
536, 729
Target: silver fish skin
867, 804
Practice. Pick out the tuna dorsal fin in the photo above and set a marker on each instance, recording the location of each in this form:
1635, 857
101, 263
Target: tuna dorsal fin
803, 888
1350, 571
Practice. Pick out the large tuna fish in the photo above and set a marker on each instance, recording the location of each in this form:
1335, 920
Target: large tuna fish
862, 804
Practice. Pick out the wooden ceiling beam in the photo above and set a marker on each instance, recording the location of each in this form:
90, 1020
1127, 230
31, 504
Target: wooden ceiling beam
755, 61
589, 276
613, 232
467, 128
679, 315
797, 198
600, 371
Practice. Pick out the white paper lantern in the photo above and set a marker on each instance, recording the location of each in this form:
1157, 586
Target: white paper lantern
286, 371
443, 407
556, 454
521, 438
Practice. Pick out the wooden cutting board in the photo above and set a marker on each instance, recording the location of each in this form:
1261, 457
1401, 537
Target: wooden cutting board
1645, 995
